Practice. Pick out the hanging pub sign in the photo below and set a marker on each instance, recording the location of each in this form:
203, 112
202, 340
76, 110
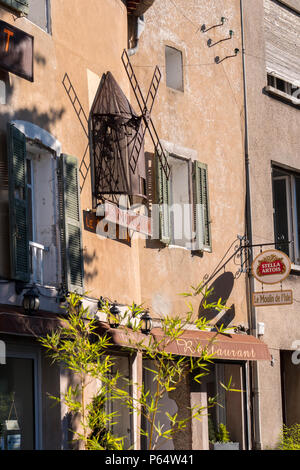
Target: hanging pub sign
16, 51
271, 267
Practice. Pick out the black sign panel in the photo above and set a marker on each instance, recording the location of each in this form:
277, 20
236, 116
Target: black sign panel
16, 51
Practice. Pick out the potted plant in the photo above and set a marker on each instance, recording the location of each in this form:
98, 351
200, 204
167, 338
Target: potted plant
223, 441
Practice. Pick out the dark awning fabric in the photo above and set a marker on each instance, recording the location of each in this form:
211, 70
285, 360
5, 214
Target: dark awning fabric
14, 321
235, 347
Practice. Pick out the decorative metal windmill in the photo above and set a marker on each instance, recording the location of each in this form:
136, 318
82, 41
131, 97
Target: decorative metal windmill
117, 135
145, 109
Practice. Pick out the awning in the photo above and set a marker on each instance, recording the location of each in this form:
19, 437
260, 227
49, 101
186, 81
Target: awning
233, 347
14, 321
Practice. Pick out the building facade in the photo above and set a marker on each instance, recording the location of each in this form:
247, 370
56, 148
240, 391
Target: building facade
271, 30
127, 108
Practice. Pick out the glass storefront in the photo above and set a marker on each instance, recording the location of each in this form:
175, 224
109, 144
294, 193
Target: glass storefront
17, 410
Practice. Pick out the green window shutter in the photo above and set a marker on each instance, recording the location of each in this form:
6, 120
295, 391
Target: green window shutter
70, 224
163, 197
201, 207
20, 6
18, 206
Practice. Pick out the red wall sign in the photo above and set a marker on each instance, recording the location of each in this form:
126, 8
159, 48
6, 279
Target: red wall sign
271, 267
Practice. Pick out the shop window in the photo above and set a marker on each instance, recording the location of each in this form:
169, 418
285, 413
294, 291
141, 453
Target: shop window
39, 14
286, 200
18, 412
174, 68
184, 216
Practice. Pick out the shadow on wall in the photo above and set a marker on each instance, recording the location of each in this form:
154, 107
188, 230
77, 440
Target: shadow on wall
221, 288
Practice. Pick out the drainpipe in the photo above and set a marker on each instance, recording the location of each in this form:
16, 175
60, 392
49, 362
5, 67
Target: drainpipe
253, 365
140, 26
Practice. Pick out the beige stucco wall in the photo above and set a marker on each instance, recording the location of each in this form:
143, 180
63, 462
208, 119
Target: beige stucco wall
273, 137
205, 119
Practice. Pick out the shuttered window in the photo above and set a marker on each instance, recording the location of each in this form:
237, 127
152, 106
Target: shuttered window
70, 224
18, 207
282, 41
21, 6
201, 207
163, 198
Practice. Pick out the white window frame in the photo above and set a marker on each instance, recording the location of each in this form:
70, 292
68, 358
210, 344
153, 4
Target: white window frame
172, 189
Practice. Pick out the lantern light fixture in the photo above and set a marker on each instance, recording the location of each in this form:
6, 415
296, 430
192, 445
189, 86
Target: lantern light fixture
114, 316
146, 323
31, 300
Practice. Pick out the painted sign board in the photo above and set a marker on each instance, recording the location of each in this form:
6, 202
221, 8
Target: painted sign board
271, 267
264, 299
16, 51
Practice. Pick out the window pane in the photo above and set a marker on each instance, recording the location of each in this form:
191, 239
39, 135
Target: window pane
174, 68
38, 13
17, 429
281, 215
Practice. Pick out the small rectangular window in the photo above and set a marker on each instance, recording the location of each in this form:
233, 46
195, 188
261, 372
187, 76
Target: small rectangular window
39, 14
174, 68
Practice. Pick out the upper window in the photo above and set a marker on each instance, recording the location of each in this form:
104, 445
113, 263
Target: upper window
286, 194
184, 204
282, 46
174, 68
39, 14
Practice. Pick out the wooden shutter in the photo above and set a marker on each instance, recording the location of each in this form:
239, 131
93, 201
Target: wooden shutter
70, 224
282, 41
18, 205
201, 207
163, 199
21, 6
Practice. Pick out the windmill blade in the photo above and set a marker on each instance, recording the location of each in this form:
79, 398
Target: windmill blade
158, 148
139, 138
133, 81
153, 89
144, 110
137, 146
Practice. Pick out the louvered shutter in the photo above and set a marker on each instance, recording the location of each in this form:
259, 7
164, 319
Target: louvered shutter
201, 207
70, 224
18, 208
163, 196
21, 6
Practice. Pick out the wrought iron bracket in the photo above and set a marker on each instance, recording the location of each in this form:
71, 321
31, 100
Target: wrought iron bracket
241, 256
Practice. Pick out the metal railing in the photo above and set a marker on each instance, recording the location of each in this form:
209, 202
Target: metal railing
36, 262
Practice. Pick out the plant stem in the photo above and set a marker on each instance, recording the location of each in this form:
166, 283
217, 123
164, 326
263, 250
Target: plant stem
157, 395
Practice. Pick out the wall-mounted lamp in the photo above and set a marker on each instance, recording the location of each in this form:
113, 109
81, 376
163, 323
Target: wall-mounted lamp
231, 34
218, 60
146, 323
203, 27
114, 316
31, 300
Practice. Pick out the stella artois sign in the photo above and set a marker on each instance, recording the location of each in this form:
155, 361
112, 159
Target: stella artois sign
271, 267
